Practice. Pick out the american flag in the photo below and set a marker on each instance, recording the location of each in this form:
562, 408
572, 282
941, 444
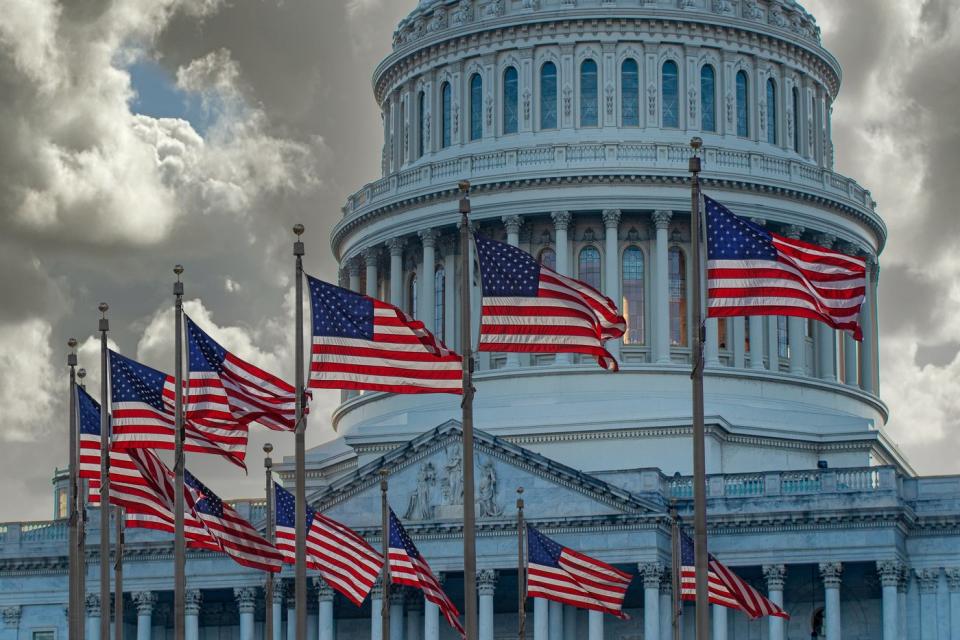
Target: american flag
143, 400
530, 308
557, 573
225, 391
344, 559
408, 567
752, 271
362, 343
237, 537
725, 588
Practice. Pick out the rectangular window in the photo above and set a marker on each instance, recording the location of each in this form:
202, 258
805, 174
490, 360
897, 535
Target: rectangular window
44, 635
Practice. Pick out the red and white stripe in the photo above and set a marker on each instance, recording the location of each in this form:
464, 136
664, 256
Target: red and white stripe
403, 357
727, 589
415, 572
239, 540
566, 316
580, 581
805, 280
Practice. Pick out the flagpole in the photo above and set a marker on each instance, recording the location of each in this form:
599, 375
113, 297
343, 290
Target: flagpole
521, 577
676, 597
104, 478
300, 571
268, 587
385, 521
466, 349
179, 540
72, 495
118, 577
81, 535
699, 438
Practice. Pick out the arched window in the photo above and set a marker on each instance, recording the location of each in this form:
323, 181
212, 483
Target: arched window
476, 107
743, 109
670, 90
403, 140
678, 297
771, 111
588, 267
548, 258
796, 119
412, 295
511, 96
421, 124
633, 295
445, 109
588, 94
630, 93
708, 98
439, 301
548, 96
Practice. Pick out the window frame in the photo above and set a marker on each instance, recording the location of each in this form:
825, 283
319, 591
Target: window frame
713, 98
580, 276
663, 95
543, 94
583, 98
684, 315
446, 115
476, 107
625, 99
505, 101
773, 120
744, 102
643, 289
421, 123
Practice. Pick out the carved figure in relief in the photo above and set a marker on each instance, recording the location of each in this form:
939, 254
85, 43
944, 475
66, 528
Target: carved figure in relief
463, 13
692, 101
420, 506
526, 105
609, 95
494, 9
487, 506
777, 18
729, 108
567, 101
752, 10
452, 485
652, 100
530, 5
438, 22
723, 6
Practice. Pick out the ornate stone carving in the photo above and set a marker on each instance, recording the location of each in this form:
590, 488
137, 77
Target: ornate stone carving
953, 579
763, 115
752, 10
688, 4
93, 605
325, 592
794, 231
144, 601
246, 598
611, 218
729, 102
371, 256
928, 579
530, 5
395, 245
610, 92
825, 240
652, 100
723, 6
426, 130
889, 572
438, 22
452, 483
652, 573
193, 599
463, 13
493, 9
417, 30
692, 102
760, 222
568, 4
489, 110
589, 235
376, 593
661, 219
776, 575
777, 18
420, 504
428, 237
831, 573
526, 105
486, 582
455, 107
561, 220
11, 614
512, 223
488, 505
567, 100
354, 266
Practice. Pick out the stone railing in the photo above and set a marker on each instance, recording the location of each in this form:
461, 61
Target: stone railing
787, 483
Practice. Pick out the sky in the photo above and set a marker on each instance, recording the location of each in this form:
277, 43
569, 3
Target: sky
138, 134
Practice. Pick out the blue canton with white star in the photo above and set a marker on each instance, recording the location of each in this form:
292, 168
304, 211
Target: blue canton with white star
286, 506
89, 411
687, 556
210, 504
730, 237
339, 312
205, 354
399, 538
506, 271
542, 550
131, 381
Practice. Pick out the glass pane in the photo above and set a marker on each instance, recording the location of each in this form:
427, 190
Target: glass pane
412, 295
548, 258
722, 334
771, 112
422, 124
445, 93
588, 94
743, 116
796, 120
633, 298
671, 94
511, 95
439, 302
678, 298
630, 93
708, 99
548, 96
589, 267
783, 337
476, 107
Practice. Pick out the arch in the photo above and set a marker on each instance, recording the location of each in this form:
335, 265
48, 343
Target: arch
548, 96
670, 94
548, 258
708, 98
633, 274
476, 107
412, 295
588, 266
439, 301
589, 93
743, 108
796, 119
421, 124
772, 119
677, 272
511, 100
446, 114
630, 93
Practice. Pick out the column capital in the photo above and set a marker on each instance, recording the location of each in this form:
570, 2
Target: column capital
826, 240
776, 576
794, 231
953, 579
760, 222
512, 223
561, 220
889, 572
652, 573
486, 582
376, 591
11, 614
928, 579
144, 601
325, 592
246, 599
395, 246
354, 266
611, 218
414, 600
666, 583
92, 601
193, 598
371, 256
428, 237
831, 573
661, 218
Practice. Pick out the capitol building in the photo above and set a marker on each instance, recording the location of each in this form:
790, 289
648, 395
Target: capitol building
572, 121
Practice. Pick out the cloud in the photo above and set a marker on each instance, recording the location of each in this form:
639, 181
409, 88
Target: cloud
28, 405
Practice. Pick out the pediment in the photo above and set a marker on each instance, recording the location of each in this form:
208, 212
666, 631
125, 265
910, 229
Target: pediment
425, 480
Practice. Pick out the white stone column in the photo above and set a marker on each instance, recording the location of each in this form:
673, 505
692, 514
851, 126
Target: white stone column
541, 620
414, 604
428, 239
556, 620
666, 607
711, 348
831, 573
797, 332
193, 599
292, 618
868, 347
719, 622
570, 615
431, 621
739, 337
448, 247
652, 573
611, 224
513, 224
313, 618
776, 575
395, 245
486, 584
902, 602
889, 571
953, 583
826, 335
756, 342
353, 268
397, 623
93, 615
246, 598
371, 258
661, 289
561, 224
929, 580
325, 594
595, 625
376, 616
145, 601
